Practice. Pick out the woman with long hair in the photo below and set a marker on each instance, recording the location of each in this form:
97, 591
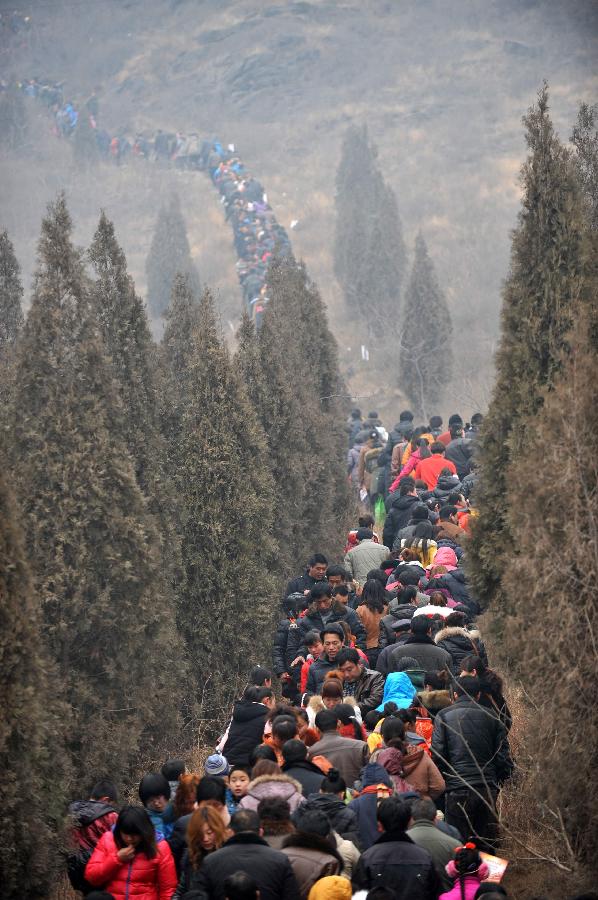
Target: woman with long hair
372, 607
128, 862
206, 832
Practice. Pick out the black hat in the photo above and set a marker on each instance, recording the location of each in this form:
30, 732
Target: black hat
401, 625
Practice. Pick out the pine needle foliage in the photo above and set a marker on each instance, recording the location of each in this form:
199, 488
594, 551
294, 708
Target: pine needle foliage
426, 359
32, 754
369, 251
219, 466
169, 254
92, 542
292, 370
11, 295
540, 299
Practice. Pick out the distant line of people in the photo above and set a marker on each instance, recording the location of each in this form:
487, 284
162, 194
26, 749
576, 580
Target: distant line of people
257, 234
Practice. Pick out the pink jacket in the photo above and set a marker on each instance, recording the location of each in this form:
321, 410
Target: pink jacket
470, 882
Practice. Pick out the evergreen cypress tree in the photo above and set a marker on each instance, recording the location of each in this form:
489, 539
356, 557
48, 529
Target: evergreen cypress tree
169, 254
30, 734
93, 545
301, 417
369, 251
11, 295
539, 301
425, 361
226, 606
585, 139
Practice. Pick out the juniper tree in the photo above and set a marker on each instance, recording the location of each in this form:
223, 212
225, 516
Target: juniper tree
585, 139
539, 303
93, 545
369, 251
220, 469
11, 295
425, 354
32, 756
169, 253
133, 355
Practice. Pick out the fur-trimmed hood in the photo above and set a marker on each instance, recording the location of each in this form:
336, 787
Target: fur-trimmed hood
256, 787
453, 631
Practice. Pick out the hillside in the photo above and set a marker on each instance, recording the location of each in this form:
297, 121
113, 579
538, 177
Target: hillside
441, 86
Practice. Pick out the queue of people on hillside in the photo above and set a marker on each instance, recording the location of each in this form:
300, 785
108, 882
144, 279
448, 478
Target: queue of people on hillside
256, 232
366, 762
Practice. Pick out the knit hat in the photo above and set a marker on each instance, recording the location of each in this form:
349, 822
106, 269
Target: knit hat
216, 764
331, 887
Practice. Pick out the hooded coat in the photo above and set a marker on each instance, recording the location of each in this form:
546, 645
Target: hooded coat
245, 732
268, 786
141, 879
397, 689
459, 643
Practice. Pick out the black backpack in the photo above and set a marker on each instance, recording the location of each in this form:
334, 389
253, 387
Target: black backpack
75, 869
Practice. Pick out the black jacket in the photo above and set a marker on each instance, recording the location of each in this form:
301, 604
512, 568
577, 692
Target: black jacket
301, 584
430, 657
178, 841
399, 514
459, 643
312, 621
342, 819
247, 852
245, 732
460, 452
309, 776
285, 641
470, 746
396, 862
456, 584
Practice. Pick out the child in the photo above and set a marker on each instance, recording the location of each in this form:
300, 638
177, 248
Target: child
238, 782
172, 771
154, 793
468, 870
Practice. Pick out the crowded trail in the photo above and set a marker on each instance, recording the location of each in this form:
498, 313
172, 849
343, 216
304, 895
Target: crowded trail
257, 235
366, 759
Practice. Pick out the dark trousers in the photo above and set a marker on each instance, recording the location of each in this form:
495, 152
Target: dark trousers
471, 816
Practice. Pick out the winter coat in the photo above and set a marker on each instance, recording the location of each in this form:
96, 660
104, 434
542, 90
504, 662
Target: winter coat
368, 690
284, 645
313, 621
456, 585
439, 845
310, 777
346, 754
245, 731
397, 689
349, 854
446, 484
188, 875
460, 452
141, 879
448, 531
342, 819
434, 701
421, 772
311, 857
317, 673
396, 862
374, 635
429, 469
89, 820
429, 657
399, 511
468, 484
470, 883
268, 786
459, 643
469, 746
248, 852
365, 556
302, 583
376, 784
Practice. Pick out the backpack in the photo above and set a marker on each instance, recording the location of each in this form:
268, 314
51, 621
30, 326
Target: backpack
76, 862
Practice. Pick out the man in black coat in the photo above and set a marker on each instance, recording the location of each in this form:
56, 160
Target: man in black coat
394, 860
246, 851
297, 766
421, 647
471, 749
315, 572
323, 611
246, 727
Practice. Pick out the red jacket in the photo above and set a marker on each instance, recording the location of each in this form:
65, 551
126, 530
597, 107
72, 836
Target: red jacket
142, 879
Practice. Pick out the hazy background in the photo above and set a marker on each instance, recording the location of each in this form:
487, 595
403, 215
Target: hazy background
441, 84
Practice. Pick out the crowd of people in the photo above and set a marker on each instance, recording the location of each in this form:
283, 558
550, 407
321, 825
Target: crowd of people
256, 232
367, 761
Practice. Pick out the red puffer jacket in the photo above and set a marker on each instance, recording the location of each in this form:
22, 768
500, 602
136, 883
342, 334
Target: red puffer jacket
142, 879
